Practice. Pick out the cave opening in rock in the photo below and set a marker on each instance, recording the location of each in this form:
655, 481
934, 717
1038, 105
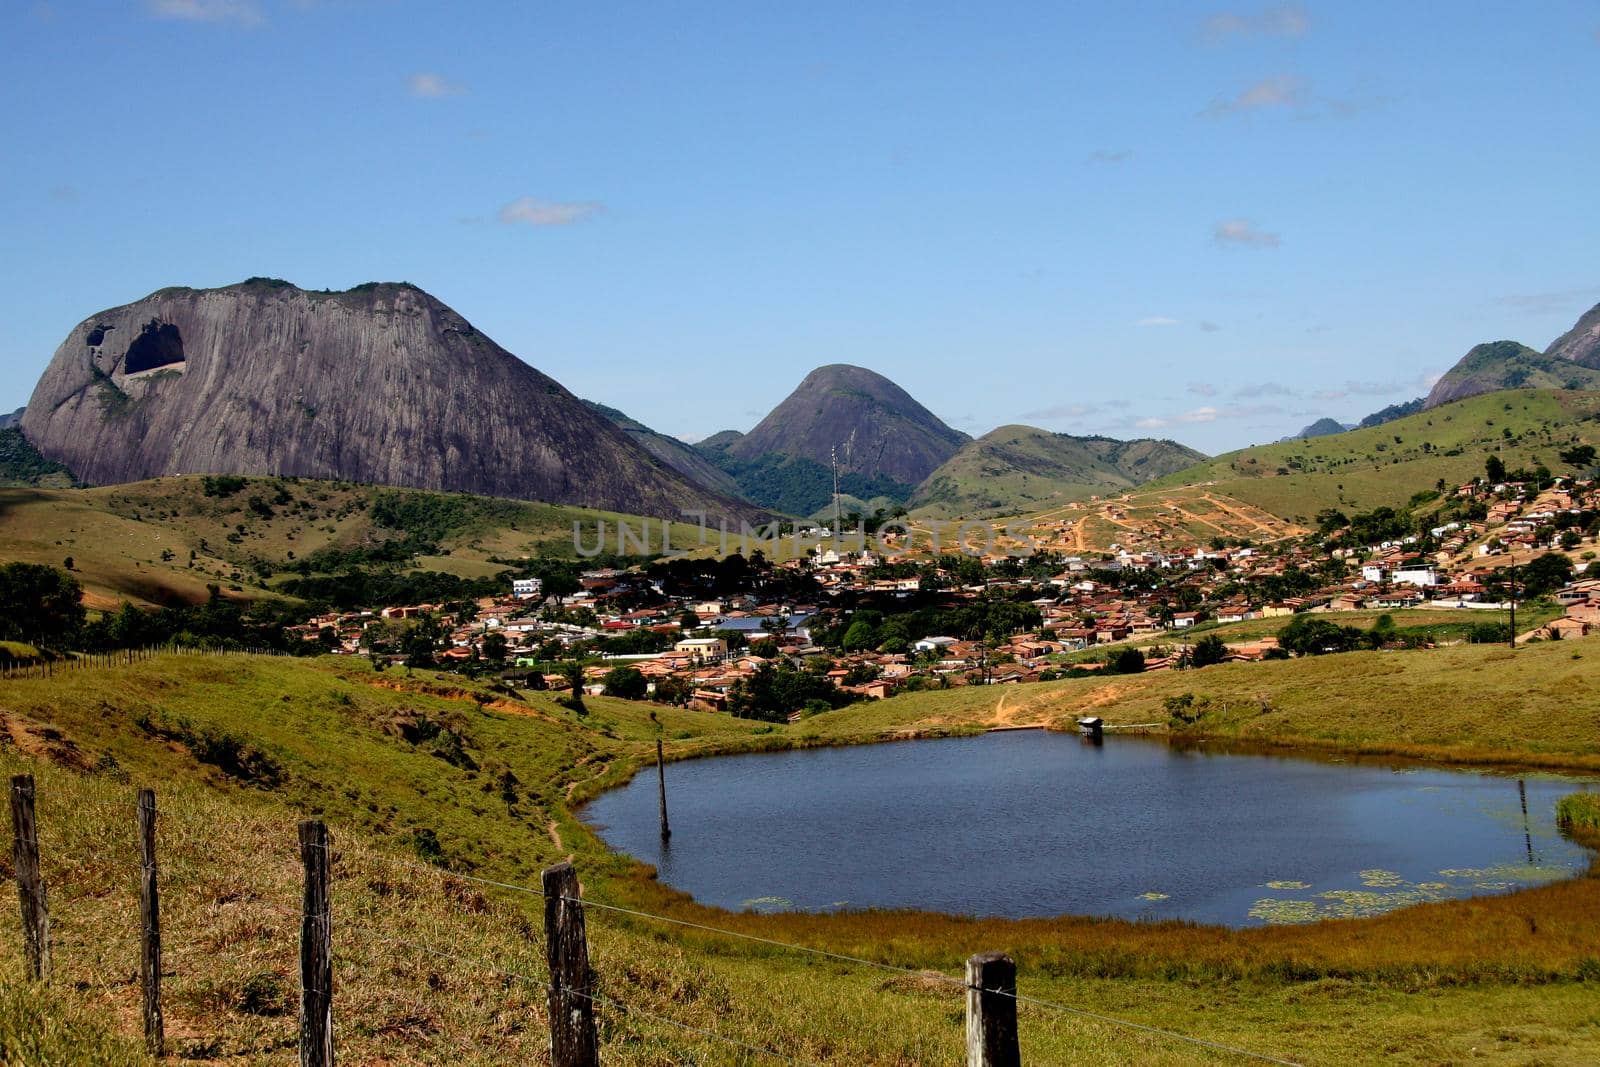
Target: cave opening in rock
158, 345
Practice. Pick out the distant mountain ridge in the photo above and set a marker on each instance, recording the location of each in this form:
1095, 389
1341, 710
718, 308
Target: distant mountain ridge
1571, 362
382, 384
1322, 428
885, 441
680, 456
1016, 468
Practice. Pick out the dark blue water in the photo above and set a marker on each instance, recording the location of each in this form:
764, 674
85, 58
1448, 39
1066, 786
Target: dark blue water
1035, 824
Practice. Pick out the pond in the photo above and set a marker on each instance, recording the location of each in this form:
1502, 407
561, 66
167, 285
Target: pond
1028, 823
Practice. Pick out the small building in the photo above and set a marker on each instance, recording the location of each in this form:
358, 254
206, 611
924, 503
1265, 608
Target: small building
703, 647
526, 588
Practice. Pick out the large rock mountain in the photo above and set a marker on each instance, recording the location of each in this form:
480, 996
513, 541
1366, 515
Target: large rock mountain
681, 457
886, 442
1018, 469
381, 383
1571, 362
1581, 344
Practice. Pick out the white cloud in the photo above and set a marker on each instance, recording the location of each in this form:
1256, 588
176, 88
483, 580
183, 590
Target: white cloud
1209, 413
1278, 91
1549, 303
1286, 20
242, 12
1243, 232
431, 86
1157, 320
1263, 389
532, 211
1063, 411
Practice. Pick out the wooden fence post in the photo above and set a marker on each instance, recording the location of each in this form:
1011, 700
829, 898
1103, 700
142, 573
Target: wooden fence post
573, 1040
992, 1011
150, 926
30, 886
316, 950
661, 784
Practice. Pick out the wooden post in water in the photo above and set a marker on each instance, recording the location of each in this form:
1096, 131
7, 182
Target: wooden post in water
30, 886
573, 1039
316, 950
992, 1011
150, 926
661, 788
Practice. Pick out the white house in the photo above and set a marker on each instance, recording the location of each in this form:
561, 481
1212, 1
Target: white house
1425, 577
526, 588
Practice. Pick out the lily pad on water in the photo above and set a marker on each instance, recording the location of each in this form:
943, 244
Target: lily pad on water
1288, 884
1152, 896
1284, 911
1378, 878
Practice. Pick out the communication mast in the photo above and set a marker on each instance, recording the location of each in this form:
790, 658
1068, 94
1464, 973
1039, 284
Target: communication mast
833, 458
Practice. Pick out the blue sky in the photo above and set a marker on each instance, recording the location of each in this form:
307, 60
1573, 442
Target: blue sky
1202, 221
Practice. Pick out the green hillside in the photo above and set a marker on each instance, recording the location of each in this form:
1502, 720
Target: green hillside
1386, 465
21, 463
163, 541
1022, 468
1509, 365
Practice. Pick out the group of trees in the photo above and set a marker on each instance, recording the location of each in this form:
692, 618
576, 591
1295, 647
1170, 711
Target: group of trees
43, 606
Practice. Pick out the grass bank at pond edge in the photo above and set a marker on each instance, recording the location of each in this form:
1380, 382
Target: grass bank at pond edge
410, 769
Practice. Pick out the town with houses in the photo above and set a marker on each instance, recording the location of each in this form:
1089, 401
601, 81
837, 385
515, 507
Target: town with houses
853, 621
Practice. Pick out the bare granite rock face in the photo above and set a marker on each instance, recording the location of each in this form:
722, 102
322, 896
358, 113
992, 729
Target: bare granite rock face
1581, 344
381, 383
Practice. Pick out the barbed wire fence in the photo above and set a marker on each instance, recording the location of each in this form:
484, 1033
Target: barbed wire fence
568, 984
50, 667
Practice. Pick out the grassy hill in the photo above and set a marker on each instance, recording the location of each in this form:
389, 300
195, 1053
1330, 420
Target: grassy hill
163, 541
1385, 465
1017, 469
411, 773
1509, 365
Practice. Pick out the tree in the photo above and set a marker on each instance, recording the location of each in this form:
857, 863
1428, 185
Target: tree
627, 683
1128, 661
1544, 575
572, 671
39, 604
494, 647
673, 690
1495, 468
1580, 456
1208, 650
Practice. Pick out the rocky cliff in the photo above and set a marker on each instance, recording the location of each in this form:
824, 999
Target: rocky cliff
381, 383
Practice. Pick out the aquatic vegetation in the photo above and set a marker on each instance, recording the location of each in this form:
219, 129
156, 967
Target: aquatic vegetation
1276, 911
1505, 875
1153, 896
1288, 884
1381, 879
1579, 811
768, 905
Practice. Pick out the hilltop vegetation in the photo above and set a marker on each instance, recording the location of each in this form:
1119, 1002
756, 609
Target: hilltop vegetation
21, 464
1017, 469
1385, 465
